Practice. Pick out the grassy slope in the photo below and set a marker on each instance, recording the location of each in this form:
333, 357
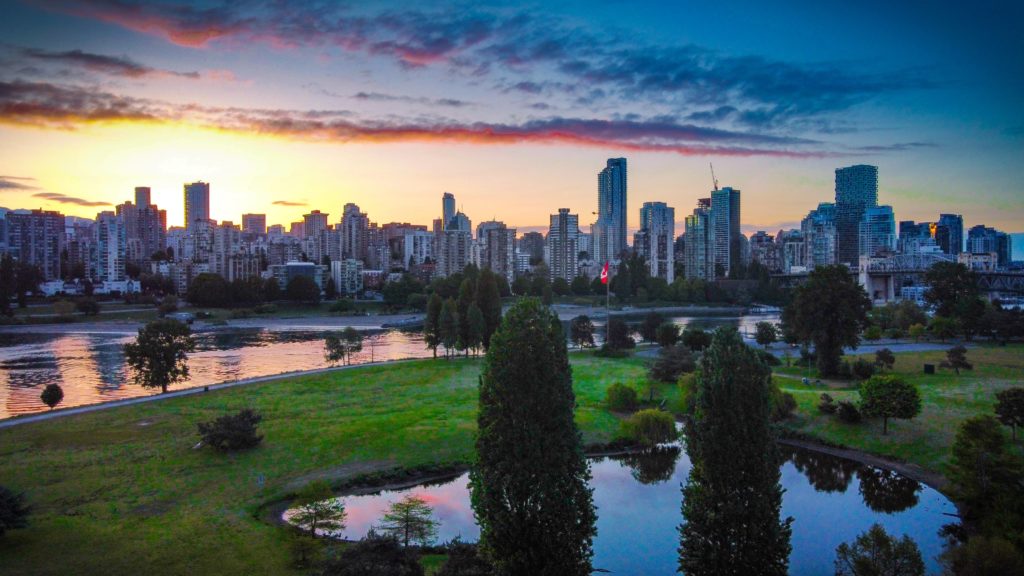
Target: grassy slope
122, 491
947, 399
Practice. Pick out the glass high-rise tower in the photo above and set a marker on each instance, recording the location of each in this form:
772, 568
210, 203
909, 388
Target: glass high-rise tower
610, 228
197, 202
856, 191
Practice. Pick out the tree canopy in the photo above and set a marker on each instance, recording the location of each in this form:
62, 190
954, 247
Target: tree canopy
889, 396
159, 356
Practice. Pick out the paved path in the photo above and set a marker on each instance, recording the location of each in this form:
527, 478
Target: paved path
18, 420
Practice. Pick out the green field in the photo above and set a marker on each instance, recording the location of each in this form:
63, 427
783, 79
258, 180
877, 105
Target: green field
123, 491
947, 400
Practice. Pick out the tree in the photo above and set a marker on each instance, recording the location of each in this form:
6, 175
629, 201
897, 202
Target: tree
649, 327
952, 288
529, 485
696, 339
672, 362
318, 509
560, 286
341, 347
232, 431
410, 520
375, 555
159, 355
13, 510
8, 286
302, 289
875, 553
581, 331
1010, 408
463, 560
271, 290
580, 286
984, 474
477, 326
885, 359
732, 500
943, 328
467, 296
916, 331
765, 334
889, 397
620, 398
650, 427
488, 298
667, 334
52, 395
887, 491
829, 310
449, 326
617, 335
984, 556
331, 291
27, 280
87, 306
956, 358
432, 323
209, 290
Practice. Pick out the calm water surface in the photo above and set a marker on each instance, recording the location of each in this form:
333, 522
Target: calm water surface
832, 500
90, 367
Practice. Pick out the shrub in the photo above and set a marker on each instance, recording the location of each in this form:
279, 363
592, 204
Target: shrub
650, 427
265, 309
696, 339
847, 412
783, 404
873, 333
687, 389
668, 334
232, 431
87, 306
374, 555
52, 395
671, 363
13, 511
827, 404
341, 305
606, 351
621, 398
463, 560
862, 369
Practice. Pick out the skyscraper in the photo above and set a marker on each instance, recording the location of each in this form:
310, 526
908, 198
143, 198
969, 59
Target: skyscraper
197, 202
142, 196
658, 221
877, 232
110, 248
563, 244
699, 257
819, 231
949, 233
447, 209
610, 229
856, 191
497, 248
354, 227
37, 237
725, 234
254, 223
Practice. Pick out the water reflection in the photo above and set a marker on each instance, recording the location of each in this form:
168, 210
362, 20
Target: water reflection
637, 521
653, 466
886, 491
826, 473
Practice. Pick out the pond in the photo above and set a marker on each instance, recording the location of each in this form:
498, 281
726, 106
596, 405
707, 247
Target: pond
638, 500
89, 365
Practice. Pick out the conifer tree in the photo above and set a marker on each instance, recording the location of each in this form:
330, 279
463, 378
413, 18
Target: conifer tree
488, 298
432, 323
476, 328
467, 296
732, 500
449, 326
529, 483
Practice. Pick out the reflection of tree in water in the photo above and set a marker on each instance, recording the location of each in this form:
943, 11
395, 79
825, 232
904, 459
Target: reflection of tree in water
887, 491
733, 497
110, 364
653, 466
826, 473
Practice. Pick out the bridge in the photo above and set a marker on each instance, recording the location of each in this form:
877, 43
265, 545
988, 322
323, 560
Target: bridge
884, 278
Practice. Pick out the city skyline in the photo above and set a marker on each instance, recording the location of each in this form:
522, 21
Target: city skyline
374, 121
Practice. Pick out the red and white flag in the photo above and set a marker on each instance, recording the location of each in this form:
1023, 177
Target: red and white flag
604, 274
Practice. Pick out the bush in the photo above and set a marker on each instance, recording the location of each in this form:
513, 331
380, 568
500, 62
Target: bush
847, 412
650, 427
52, 395
862, 369
696, 339
265, 309
232, 431
13, 511
463, 560
621, 398
668, 334
341, 305
617, 335
374, 555
827, 404
873, 332
687, 390
87, 306
607, 352
672, 363
783, 404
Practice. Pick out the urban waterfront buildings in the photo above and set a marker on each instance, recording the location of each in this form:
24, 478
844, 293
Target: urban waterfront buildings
856, 191
657, 239
877, 232
563, 244
609, 231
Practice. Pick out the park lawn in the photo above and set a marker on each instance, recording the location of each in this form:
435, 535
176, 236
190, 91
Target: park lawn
122, 491
947, 400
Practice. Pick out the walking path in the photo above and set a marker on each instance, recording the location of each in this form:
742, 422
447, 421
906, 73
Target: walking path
18, 420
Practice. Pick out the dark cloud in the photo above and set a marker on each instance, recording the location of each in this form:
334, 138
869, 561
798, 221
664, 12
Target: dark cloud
113, 65
287, 203
897, 147
17, 183
381, 97
63, 199
63, 106
588, 66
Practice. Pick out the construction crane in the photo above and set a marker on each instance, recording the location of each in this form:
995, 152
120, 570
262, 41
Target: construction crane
713, 179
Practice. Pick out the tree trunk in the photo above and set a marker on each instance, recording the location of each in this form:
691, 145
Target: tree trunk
885, 425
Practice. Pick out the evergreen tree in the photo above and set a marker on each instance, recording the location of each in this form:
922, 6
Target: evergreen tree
467, 295
318, 509
432, 323
732, 500
13, 510
581, 331
529, 483
875, 553
829, 310
476, 328
488, 298
1010, 408
984, 473
649, 327
449, 326
410, 520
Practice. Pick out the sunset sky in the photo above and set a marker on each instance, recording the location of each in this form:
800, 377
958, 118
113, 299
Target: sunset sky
286, 107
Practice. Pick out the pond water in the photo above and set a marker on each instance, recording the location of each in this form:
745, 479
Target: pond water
89, 365
638, 500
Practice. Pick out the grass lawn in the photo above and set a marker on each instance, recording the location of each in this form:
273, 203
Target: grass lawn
947, 400
122, 491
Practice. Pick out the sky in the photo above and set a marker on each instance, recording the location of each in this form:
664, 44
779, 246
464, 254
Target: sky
513, 107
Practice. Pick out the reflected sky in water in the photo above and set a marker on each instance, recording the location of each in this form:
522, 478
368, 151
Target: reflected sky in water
636, 526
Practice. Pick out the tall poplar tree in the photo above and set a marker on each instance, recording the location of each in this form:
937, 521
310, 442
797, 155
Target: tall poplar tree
467, 296
732, 500
529, 483
449, 326
488, 298
432, 323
